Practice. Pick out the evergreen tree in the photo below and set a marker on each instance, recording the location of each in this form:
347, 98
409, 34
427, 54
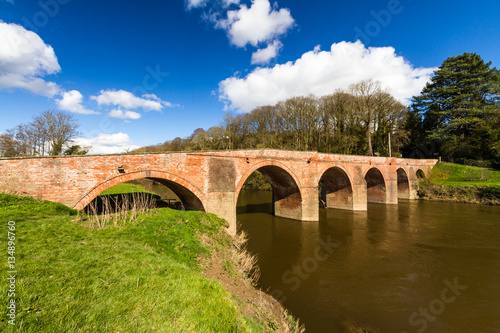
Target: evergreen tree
460, 105
413, 125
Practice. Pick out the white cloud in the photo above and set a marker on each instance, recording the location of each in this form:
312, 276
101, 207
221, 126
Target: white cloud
107, 143
72, 102
322, 72
25, 59
121, 114
128, 100
156, 98
196, 3
258, 24
264, 56
228, 3
151, 96
202, 3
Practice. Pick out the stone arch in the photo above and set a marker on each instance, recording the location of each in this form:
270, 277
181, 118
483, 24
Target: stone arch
420, 174
376, 191
337, 188
190, 196
257, 166
287, 198
403, 184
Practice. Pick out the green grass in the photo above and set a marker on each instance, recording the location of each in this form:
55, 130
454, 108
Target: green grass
257, 181
142, 277
124, 188
462, 183
458, 175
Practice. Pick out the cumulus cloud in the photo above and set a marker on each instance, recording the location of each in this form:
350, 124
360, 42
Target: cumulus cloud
264, 56
258, 24
124, 114
107, 143
128, 100
322, 72
72, 101
25, 59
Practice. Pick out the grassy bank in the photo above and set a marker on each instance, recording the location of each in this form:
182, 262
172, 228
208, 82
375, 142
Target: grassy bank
461, 183
171, 272
124, 188
257, 182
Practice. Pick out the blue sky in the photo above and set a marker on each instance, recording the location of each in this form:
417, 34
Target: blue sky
142, 72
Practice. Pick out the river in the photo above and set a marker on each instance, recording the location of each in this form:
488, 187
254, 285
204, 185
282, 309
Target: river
418, 266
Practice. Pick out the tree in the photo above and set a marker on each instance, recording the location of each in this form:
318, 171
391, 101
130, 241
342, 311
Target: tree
48, 133
9, 146
355, 121
459, 106
301, 117
342, 130
76, 150
413, 126
365, 93
388, 119
58, 129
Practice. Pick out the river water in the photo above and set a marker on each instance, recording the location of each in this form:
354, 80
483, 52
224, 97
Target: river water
417, 266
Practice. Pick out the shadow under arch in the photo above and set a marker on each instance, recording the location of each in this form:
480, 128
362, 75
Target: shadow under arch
191, 197
287, 199
336, 188
403, 184
420, 174
375, 186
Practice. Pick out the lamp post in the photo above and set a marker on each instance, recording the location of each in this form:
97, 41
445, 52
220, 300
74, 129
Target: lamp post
390, 152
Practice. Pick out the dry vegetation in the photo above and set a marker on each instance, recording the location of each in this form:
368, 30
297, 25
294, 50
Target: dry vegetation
119, 209
235, 268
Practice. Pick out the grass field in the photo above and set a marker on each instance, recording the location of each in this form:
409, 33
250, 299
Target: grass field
124, 188
457, 175
461, 183
138, 277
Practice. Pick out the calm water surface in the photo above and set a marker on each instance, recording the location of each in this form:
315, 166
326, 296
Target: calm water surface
413, 267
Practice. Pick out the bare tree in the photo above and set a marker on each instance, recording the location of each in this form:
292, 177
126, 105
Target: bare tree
46, 134
301, 118
341, 123
354, 121
365, 92
264, 125
389, 116
57, 128
9, 146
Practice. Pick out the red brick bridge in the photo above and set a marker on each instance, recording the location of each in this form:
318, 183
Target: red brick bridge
211, 181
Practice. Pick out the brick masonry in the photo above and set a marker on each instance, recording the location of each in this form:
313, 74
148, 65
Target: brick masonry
211, 181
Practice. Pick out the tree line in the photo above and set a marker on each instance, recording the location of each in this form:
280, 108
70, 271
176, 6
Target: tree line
358, 120
49, 133
456, 117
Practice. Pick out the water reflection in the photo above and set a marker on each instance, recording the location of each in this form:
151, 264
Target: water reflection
388, 264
